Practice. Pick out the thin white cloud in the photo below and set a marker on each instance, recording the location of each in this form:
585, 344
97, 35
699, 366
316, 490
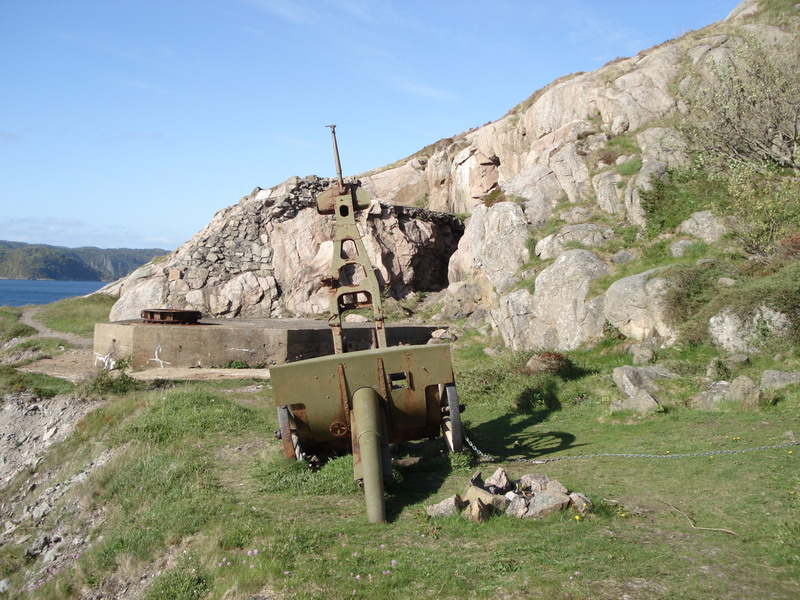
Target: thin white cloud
141, 85
607, 36
363, 10
74, 233
11, 136
159, 56
305, 12
14, 223
253, 31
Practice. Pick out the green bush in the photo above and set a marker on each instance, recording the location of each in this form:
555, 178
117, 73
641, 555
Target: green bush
115, 382
765, 205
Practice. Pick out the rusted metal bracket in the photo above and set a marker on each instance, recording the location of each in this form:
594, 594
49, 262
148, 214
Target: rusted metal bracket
353, 282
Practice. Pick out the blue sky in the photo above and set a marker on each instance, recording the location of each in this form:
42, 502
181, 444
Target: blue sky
129, 123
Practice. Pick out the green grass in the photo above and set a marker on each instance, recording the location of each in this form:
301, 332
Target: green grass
10, 327
618, 146
197, 480
13, 381
778, 9
186, 581
630, 167
77, 315
30, 350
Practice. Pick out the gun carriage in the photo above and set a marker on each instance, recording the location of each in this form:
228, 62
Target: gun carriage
360, 402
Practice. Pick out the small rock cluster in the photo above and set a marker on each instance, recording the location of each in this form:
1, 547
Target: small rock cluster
532, 496
641, 392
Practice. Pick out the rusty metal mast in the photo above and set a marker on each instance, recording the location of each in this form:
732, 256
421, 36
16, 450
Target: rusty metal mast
353, 281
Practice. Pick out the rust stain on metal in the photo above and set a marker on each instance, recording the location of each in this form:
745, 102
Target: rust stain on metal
168, 316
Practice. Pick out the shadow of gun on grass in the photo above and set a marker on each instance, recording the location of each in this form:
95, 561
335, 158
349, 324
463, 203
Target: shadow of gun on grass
512, 435
509, 436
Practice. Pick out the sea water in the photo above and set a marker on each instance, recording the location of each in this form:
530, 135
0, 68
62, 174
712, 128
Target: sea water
19, 292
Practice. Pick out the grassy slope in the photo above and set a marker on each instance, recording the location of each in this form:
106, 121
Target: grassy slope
196, 476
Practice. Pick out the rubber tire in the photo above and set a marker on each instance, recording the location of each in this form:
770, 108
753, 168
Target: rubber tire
290, 441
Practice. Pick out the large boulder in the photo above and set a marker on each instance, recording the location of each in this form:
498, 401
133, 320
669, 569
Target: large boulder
734, 332
538, 186
556, 316
267, 256
705, 226
631, 380
777, 380
494, 245
635, 305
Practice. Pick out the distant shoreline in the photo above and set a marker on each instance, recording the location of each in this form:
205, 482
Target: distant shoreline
51, 279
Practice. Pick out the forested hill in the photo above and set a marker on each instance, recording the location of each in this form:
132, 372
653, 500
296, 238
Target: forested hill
40, 261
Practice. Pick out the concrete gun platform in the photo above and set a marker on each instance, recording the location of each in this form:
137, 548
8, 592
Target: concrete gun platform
218, 342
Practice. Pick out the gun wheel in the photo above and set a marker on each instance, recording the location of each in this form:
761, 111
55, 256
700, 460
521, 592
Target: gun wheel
289, 439
451, 422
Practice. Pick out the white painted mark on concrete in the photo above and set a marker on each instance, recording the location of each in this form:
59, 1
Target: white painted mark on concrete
105, 360
242, 350
157, 359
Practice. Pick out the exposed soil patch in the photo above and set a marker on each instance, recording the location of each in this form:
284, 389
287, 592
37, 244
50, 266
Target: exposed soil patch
73, 365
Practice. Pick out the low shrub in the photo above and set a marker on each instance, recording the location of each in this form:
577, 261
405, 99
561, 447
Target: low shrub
114, 382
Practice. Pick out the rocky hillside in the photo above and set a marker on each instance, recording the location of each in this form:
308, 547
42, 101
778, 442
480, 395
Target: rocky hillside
560, 242
267, 256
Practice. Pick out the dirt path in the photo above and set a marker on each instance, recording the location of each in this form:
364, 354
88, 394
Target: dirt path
28, 317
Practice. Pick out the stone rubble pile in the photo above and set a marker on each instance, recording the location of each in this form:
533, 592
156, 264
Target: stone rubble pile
29, 425
300, 194
533, 496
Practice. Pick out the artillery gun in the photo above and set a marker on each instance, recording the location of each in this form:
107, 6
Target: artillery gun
360, 402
